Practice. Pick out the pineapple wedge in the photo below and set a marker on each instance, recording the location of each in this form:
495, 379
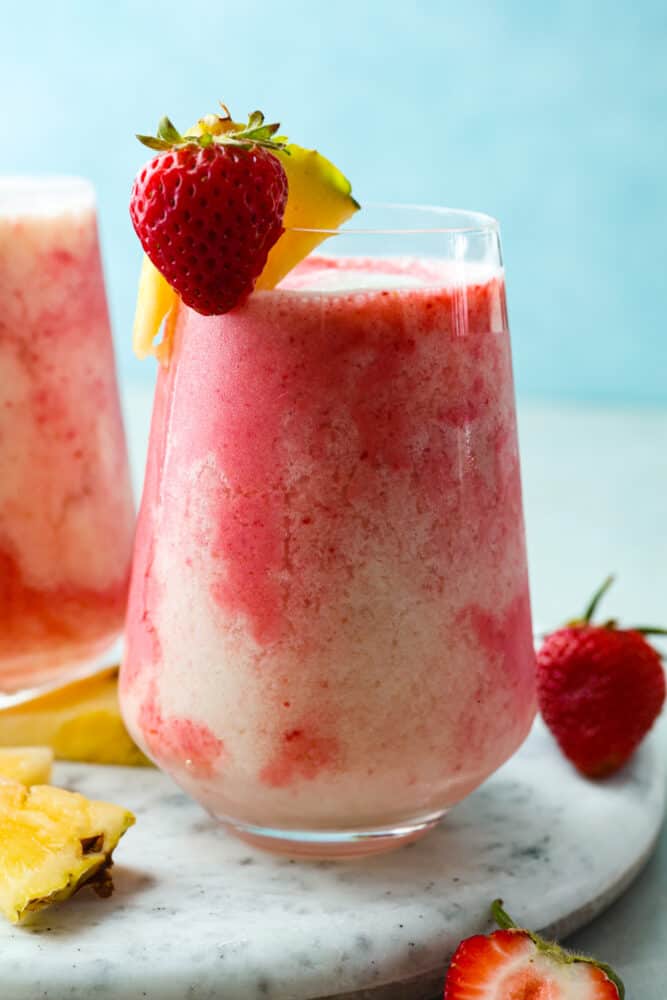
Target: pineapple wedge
155, 300
319, 198
28, 765
80, 721
52, 842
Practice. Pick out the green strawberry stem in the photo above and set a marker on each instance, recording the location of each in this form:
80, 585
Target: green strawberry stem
552, 950
218, 130
502, 918
612, 622
596, 598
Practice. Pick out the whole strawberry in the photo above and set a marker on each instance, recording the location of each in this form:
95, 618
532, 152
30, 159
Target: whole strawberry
600, 689
209, 207
515, 964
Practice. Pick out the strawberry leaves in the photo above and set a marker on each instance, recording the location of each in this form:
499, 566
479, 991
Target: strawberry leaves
217, 130
167, 137
611, 623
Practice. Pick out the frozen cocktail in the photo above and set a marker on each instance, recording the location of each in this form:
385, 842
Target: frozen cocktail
329, 638
66, 512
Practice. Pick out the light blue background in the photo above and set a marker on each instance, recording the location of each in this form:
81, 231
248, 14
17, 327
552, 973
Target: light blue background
551, 116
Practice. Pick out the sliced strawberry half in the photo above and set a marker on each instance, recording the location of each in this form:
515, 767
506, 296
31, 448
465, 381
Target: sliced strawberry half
515, 964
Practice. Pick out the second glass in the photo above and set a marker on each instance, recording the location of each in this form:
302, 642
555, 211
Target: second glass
66, 510
329, 639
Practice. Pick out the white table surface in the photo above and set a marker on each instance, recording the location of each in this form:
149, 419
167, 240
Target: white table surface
595, 490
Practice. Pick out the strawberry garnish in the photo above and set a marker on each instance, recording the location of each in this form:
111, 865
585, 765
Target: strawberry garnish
209, 207
516, 964
600, 689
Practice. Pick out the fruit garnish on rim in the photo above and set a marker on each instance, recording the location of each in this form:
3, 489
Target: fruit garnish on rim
516, 964
600, 689
209, 207
221, 210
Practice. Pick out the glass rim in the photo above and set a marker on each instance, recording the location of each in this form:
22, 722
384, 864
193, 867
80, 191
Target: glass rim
44, 195
476, 223
38, 182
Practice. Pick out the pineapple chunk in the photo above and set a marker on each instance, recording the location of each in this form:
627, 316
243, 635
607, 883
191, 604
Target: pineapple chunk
319, 197
51, 843
155, 300
28, 765
79, 721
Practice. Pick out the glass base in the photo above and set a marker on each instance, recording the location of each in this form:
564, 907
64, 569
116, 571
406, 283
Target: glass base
29, 676
333, 844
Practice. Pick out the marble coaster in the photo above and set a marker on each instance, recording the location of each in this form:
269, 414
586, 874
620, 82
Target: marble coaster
197, 915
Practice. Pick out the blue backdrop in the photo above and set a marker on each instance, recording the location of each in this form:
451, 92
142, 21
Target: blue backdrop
550, 116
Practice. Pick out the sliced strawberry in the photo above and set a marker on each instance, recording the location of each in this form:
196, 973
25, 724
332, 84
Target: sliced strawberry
514, 964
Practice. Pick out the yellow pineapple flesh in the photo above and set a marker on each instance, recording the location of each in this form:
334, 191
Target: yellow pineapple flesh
52, 842
80, 721
155, 300
28, 765
319, 198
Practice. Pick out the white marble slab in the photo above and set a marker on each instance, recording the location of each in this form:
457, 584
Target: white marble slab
196, 914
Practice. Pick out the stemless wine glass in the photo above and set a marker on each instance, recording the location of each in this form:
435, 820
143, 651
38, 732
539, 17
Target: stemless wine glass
66, 510
329, 637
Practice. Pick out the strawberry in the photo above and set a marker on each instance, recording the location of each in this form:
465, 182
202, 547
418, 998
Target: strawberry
209, 207
600, 689
515, 964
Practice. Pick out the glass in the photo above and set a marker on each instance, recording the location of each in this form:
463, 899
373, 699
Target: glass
329, 637
66, 510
